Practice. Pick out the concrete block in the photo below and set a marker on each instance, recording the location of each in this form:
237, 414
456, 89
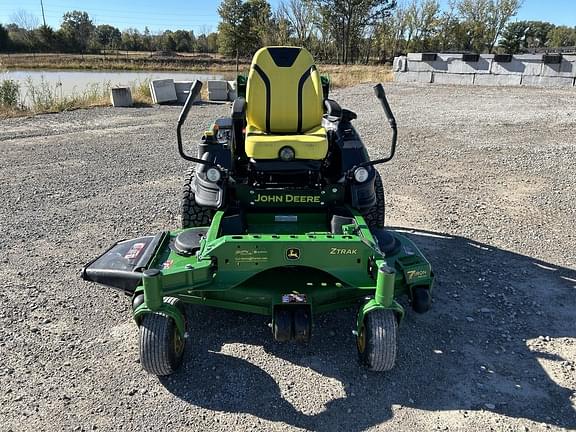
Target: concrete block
565, 69
497, 80
525, 64
482, 66
232, 93
545, 81
216, 85
400, 64
426, 57
423, 77
457, 79
183, 90
121, 96
448, 57
163, 91
218, 95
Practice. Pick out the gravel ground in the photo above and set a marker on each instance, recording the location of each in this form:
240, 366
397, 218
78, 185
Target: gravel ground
483, 182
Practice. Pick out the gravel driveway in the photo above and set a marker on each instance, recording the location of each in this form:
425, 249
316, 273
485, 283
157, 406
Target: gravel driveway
484, 181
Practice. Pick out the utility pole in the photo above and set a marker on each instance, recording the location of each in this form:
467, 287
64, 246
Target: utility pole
43, 17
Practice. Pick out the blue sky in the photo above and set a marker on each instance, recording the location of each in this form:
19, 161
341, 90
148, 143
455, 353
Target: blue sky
202, 15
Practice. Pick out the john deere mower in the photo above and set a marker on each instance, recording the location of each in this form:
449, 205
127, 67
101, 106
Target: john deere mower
283, 215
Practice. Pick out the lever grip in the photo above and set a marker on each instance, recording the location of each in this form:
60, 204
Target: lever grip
381, 95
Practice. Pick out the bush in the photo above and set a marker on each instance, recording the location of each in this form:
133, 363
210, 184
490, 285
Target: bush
9, 93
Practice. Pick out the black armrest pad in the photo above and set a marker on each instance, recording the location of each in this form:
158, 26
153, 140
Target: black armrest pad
333, 109
239, 108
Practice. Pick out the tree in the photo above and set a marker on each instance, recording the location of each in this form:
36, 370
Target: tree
77, 28
484, 21
301, 14
4, 39
24, 19
421, 19
347, 20
167, 41
523, 35
259, 15
514, 37
45, 39
562, 36
107, 36
238, 33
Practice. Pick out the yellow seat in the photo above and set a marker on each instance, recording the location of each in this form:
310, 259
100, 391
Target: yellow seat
284, 105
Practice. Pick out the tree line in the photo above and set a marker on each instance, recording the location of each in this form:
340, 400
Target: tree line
338, 31
78, 34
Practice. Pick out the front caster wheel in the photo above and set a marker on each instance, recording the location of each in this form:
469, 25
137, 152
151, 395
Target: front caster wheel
302, 325
376, 340
282, 325
421, 299
161, 345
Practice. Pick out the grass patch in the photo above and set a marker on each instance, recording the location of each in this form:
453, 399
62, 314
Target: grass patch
350, 75
41, 97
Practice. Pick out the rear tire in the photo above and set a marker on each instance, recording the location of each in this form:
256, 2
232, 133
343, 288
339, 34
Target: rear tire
161, 346
376, 340
375, 216
192, 215
421, 299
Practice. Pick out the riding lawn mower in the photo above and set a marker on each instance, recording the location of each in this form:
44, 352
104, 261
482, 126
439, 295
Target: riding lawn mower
282, 215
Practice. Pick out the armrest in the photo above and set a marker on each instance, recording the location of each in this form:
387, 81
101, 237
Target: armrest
332, 109
239, 109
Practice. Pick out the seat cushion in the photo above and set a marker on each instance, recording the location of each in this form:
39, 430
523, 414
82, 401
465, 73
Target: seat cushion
311, 144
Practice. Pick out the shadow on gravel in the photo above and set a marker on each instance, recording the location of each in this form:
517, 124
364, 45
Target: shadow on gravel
495, 321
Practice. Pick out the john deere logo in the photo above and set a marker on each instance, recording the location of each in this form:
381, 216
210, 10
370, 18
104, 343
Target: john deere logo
293, 253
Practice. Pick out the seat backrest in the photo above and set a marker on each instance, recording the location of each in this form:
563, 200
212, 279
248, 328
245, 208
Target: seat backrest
284, 91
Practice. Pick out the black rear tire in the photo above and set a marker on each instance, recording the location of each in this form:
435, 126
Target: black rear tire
375, 216
161, 345
192, 215
421, 299
376, 341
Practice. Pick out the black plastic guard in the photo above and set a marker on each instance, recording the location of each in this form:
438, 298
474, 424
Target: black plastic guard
121, 266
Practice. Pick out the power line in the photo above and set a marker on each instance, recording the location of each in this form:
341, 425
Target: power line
43, 16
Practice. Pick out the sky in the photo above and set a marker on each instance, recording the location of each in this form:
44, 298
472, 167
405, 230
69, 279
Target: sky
202, 16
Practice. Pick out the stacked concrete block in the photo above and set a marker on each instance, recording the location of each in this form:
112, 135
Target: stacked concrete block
491, 70
163, 91
121, 96
419, 62
547, 81
183, 90
524, 64
497, 80
566, 68
449, 78
482, 66
400, 64
217, 90
423, 77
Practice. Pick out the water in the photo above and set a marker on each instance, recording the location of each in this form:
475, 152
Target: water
67, 83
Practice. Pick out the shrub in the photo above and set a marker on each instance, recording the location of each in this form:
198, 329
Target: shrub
9, 93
